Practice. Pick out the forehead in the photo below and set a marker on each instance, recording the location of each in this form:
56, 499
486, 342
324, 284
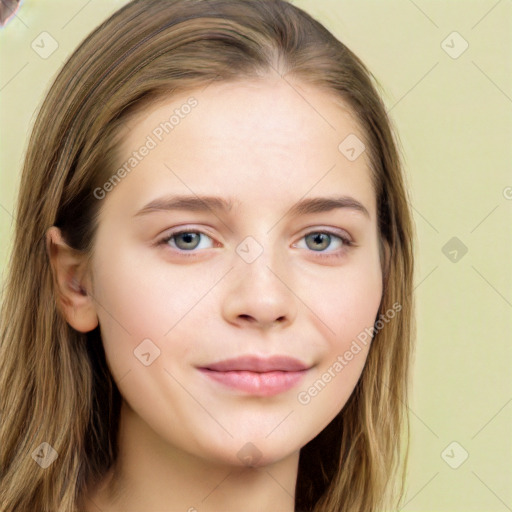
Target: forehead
259, 139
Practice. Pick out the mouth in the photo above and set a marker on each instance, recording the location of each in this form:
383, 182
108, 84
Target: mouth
257, 376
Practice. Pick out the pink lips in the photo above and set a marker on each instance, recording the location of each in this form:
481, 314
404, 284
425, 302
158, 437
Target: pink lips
257, 376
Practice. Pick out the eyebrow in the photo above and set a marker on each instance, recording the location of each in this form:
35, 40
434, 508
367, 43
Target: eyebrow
214, 203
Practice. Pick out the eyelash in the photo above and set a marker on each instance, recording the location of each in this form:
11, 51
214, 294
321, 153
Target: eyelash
347, 243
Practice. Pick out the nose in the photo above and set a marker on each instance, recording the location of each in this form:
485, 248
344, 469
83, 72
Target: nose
259, 294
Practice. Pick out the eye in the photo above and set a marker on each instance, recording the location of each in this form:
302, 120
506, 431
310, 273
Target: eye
319, 241
324, 243
186, 240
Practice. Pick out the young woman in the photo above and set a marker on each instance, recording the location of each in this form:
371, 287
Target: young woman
209, 300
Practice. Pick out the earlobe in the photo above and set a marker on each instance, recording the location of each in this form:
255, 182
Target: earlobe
71, 282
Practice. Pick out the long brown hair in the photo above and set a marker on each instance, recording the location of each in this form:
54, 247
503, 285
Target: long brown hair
55, 386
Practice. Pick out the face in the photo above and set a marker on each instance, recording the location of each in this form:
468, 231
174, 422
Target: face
281, 271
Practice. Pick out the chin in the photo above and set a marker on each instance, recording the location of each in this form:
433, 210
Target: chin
256, 453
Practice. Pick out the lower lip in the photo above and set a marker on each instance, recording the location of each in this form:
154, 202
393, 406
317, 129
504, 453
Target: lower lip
261, 384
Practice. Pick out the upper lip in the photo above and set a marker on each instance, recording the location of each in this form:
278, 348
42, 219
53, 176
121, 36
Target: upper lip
258, 364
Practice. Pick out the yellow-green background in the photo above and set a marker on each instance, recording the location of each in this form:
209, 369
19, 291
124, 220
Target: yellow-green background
454, 117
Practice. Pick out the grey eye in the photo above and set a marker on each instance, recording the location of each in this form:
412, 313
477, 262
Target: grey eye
318, 241
187, 240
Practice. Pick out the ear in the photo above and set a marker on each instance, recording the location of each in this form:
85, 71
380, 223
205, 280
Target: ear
72, 282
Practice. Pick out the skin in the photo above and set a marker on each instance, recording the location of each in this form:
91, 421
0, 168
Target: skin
266, 145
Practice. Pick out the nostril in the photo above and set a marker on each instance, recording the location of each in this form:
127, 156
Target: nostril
250, 318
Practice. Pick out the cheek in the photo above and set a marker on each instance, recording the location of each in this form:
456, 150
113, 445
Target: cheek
348, 301
140, 298
347, 305
137, 306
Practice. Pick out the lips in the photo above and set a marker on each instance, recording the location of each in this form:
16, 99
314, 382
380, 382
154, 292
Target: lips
258, 364
255, 375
